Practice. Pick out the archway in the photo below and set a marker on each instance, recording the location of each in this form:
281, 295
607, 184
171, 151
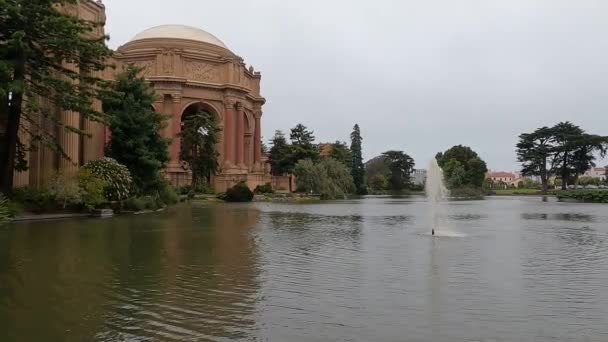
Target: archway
198, 143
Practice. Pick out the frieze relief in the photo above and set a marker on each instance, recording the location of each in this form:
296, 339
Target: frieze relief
200, 71
146, 66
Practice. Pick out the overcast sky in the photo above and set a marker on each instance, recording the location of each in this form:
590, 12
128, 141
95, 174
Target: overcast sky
418, 76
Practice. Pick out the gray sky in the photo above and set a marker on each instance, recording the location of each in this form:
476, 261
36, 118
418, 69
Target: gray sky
418, 76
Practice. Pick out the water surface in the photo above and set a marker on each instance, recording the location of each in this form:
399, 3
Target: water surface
511, 269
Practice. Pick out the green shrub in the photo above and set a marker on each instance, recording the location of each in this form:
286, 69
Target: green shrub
65, 190
466, 192
239, 193
134, 204
92, 189
5, 212
34, 200
264, 189
167, 194
117, 178
588, 196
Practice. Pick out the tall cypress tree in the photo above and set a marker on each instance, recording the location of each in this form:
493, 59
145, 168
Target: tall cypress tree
136, 141
358, 169
44, 53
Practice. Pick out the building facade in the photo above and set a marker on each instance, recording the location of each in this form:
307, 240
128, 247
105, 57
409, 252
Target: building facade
44, 162
597, 172
191, 70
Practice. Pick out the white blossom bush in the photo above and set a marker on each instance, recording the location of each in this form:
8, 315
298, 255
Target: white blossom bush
117, 178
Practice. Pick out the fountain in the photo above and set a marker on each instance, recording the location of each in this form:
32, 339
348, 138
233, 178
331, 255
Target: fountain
436, 192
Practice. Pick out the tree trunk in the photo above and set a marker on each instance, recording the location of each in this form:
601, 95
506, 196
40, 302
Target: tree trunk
8, 151
545, 185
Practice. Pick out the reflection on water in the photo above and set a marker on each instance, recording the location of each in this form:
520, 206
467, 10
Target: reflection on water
361, 270
186, 275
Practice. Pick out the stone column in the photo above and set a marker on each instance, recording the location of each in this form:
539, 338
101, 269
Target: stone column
176, 119
240, 136
229, 134
69, 142
257, 140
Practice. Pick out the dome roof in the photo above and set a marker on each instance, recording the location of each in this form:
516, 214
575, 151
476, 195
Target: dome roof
179, 32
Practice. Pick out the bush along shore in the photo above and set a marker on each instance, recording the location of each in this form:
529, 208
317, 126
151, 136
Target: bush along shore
583, 196
98, 186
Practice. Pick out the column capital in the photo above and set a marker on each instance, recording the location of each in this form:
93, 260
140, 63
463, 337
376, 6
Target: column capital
258, 114
229, 104
239, 106
176, 98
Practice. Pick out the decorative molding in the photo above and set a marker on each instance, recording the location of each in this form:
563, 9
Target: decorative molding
148, 67
200, 71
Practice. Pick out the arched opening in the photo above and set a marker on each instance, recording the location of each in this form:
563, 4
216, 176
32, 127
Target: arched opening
198, 145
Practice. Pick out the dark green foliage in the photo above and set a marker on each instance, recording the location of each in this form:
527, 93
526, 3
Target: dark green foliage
44, 53
564, 150
341, 152
302, 145
239, 193
33, 200
357, 167
5, 212
377, 174
587, 196
167, 194
401, 167
280, 155
116, 178
264, 189
199, 137
328, 178
136, 141
462, 168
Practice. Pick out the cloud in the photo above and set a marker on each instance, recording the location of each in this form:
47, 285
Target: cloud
416, 75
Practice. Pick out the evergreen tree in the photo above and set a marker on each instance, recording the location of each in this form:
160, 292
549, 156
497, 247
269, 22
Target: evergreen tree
302, 145
198, 140
564, 150
341, 152
357, 167
136, 141
44, 53
401, 167
535, 152
280, 155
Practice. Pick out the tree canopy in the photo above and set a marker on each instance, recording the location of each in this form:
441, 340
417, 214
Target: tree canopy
45, 53
136, 140
462, 167
401, 167
328, 178
564, 150
199, 137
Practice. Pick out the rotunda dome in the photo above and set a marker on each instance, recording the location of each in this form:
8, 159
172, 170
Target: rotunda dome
179, 32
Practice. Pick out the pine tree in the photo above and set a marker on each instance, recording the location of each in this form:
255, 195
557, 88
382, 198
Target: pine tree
44, 53
198, 141
136, 141
357, 167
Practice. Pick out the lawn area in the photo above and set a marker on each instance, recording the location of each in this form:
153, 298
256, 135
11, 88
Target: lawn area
516, 192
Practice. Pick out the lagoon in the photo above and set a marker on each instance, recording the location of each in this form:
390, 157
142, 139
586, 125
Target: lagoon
511, 269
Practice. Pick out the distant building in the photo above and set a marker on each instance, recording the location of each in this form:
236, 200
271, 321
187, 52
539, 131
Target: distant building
419, 177
325, 149
597, 172
505, 177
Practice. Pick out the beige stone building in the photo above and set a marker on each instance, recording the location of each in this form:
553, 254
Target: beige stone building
190, 70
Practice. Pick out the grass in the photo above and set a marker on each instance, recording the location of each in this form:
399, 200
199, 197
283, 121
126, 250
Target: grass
517, 192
